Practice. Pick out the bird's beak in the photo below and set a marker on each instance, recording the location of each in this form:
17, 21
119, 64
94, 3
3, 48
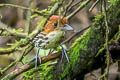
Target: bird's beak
67, 27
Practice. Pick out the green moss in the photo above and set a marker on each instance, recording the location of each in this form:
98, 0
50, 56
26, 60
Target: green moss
81, 44
101, 50
112, 2
42, 73
77, 46
45, 73
29, 74
9, 77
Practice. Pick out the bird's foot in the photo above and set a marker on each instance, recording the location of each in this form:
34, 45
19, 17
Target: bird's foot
36, 61
36, 58
64, 53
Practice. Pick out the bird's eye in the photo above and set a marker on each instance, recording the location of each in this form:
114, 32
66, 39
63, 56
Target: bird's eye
55, 24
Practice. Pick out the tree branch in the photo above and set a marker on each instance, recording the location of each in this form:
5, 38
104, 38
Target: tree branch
30, 65
5, 31
75, 34
24, 8
82, 5
27, 26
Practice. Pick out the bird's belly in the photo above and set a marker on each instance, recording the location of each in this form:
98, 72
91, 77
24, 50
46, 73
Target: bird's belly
50, 41
54, 40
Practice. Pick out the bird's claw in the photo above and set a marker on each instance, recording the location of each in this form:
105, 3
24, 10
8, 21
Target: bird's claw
35, 62
40, 60
36, 58
64, 53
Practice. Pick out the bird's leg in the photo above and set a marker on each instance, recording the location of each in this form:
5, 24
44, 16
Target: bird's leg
64, 53
37, 53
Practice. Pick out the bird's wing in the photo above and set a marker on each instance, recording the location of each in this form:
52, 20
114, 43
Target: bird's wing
53, 39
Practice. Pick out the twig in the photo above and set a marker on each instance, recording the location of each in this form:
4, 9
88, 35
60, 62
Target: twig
101, 1
7, 50
30, 65
75, 4
8, 67
75, 34
101, 77
24, 8
107, 38
52, 63
25, 51
28, 49
69, 4
94, 4
14, 47
27, 26
67, 7
82, 5
10, 32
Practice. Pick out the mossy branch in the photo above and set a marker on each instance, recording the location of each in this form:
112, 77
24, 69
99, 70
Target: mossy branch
82, 5
5, 31
30, 65
26, 50
29, 13
24, 8
7, 50
94, 4
14, 47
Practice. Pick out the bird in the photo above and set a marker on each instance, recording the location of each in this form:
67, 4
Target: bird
52, 35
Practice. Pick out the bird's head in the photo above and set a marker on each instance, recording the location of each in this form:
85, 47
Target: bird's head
56, 23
